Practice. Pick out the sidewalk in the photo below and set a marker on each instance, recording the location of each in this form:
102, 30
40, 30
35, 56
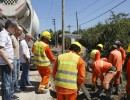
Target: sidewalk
31, 92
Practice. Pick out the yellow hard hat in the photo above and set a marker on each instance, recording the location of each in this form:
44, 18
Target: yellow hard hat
79, 45
128, 50
101, 46
46, 34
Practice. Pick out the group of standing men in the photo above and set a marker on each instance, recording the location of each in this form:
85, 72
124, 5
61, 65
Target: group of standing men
13, 51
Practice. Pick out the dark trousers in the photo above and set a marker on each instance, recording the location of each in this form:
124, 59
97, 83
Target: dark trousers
25, 75
6, 82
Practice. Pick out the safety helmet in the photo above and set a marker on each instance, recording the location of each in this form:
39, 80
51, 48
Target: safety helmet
114, 46
128, 50
79, 45
118, 43
100, 45
46, 34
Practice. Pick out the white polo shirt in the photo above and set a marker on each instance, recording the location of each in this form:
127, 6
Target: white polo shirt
24, 50
6, 42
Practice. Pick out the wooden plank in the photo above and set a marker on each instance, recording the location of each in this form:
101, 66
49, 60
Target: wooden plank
85, 91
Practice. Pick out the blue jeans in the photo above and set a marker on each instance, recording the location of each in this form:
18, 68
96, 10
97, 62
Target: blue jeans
6, 82
25, 75
13, 76
16, 74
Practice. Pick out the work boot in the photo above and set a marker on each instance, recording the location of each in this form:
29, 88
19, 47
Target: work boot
41, 89
117, 91
108, 94
47, 86
100, 92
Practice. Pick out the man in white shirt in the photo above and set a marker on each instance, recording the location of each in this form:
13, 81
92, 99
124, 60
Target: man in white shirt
25, 61
6, 58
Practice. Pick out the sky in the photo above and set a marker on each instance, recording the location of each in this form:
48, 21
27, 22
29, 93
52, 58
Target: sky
88, 12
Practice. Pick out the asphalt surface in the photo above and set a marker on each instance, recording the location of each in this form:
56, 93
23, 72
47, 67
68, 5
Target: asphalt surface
31, 92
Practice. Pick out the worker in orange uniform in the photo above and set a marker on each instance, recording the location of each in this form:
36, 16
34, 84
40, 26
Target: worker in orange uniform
99, 68
95, 55
115, 58
69, 73
128, 74
42, 58
123, 52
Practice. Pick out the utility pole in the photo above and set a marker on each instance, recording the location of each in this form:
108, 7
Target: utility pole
53, 20
63, 38
77, 22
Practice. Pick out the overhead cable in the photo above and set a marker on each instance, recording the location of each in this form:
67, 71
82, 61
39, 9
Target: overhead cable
103, 13
88, 6
98, 9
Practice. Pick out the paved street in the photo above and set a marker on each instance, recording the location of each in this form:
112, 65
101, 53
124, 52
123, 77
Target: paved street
31, 93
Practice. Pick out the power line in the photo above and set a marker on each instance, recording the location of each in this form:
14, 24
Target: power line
103, 13
50, 9
88, 6
98, 9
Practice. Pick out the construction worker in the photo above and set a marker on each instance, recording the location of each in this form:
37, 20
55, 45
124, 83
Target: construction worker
69, 73
95, 55
115, 59
128, 74
99, 68
123, 52
42, 58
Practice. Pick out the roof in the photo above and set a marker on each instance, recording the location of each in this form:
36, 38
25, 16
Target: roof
75, 36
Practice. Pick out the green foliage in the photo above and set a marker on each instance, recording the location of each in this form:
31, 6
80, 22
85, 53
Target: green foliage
115, 28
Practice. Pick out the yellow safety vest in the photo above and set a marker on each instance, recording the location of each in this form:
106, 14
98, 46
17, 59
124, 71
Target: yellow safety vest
66, 75
92, 54
40, 58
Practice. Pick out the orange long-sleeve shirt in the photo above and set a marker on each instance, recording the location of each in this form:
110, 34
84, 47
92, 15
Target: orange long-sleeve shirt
97, 55
128, 70
48, 53
115, 59
123, 53
128, 76
80, 76
100, 67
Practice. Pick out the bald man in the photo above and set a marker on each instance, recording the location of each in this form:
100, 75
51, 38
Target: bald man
18, 32
25, 61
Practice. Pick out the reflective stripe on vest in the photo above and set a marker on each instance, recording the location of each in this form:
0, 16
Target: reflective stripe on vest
92, 54
40, 58
66, 75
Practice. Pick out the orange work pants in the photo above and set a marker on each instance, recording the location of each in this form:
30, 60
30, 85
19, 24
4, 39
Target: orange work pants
72, 96
45, 73
107, 79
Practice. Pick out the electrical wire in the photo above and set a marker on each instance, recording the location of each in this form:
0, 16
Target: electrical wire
50, 9
103, 13
98, 9
49, 12
88, 7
